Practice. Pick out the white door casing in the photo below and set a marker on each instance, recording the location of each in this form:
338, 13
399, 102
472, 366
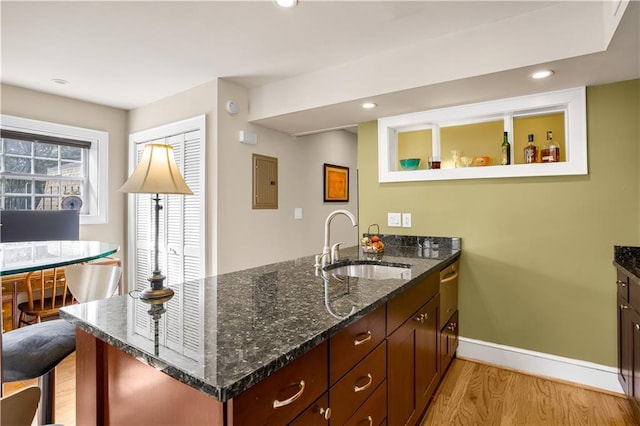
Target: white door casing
182, 249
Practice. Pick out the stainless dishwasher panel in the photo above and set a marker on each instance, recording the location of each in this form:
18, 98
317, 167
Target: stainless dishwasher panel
449, 291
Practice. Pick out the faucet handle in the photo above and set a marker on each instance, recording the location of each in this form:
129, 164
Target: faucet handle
335, 252
321, 260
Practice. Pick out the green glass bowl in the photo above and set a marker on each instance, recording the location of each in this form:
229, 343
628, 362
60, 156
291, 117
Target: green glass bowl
410, 163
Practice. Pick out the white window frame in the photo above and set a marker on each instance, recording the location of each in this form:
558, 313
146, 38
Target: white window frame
97, 188
571, 101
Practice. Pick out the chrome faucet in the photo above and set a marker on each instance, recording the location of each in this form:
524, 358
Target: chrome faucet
331, 254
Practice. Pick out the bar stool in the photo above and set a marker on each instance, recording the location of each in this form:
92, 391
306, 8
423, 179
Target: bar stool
20, 407
34, 352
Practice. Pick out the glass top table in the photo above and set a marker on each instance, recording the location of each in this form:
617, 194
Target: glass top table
27, 256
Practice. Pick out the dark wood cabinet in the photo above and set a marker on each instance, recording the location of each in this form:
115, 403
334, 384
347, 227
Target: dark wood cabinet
628, 311
285, 394
383, 368
353, 343
634, 319
625, 351
346, 396
413, 359
448, 342
317, 414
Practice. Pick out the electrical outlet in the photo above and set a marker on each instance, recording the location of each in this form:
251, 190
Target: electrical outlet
393, 219
406, 220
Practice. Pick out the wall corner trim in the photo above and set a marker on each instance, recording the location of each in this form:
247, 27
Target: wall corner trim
541, 364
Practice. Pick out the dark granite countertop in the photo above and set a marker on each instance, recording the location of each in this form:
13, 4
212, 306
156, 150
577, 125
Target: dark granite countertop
225, 333
628, 259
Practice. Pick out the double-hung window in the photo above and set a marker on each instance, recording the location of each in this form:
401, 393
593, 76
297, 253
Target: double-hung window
46, 166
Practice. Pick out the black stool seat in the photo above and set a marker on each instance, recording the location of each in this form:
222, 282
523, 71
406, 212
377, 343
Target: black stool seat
32, 351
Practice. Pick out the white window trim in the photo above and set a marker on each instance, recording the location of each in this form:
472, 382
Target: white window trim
572, 101
98, 179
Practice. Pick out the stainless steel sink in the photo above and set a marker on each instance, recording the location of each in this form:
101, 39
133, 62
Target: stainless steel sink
372, 271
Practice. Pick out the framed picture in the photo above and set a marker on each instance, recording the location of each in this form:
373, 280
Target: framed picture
336, 183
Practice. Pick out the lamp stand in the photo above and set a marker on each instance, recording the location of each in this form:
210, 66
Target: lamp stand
157, 290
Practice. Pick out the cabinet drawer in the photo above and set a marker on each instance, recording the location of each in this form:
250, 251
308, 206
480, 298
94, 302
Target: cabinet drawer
401, 307
353, 343
374, 409
285, 394
317, 414
354, 388
622, 282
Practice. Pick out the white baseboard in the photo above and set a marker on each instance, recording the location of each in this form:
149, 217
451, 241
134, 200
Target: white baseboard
541, 364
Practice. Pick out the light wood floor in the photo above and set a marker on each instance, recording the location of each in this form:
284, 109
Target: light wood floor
471, 394
65, 411
478, 394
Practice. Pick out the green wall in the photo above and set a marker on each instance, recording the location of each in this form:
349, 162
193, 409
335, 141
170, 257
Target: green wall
536, 266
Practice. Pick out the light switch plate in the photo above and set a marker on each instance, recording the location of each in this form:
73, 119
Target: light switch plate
393, 219
297, 213
406, 220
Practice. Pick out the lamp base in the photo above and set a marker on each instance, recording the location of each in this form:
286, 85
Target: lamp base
155, 294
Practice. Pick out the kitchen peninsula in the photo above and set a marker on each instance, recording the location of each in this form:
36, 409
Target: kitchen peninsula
269, 345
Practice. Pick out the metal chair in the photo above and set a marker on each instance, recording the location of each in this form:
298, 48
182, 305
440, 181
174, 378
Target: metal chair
89, 282
19, 408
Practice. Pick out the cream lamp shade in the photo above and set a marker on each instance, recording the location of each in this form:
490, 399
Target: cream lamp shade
156, 173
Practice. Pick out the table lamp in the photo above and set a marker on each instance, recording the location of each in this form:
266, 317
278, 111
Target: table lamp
156, 173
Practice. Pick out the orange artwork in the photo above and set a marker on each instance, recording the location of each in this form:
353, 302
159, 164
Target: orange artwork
336, 183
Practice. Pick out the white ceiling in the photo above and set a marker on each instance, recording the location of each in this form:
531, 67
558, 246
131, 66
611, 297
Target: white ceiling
309, 67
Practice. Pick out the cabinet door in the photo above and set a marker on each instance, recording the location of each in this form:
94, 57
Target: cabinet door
412, 359
625, 341
427, 354
401, 373
634, 321
448, 343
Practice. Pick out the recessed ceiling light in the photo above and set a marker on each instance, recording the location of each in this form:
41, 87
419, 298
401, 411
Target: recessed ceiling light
368, 105
541, 74
287, 3
60, 81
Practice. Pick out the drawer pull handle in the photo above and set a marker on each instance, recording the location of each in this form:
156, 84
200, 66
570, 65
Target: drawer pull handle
278, 404
449, 278
624, 306
357, 388
637, 326
368, 420
357, 342
621, 283
325, 412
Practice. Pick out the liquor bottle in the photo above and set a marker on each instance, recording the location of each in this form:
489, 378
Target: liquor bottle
506, 150
551, 150
530, 151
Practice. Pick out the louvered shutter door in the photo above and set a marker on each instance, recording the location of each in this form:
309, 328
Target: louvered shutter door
181, 246
193, 207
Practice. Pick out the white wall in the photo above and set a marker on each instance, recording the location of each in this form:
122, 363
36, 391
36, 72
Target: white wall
237, 236
248, 237
190, 103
